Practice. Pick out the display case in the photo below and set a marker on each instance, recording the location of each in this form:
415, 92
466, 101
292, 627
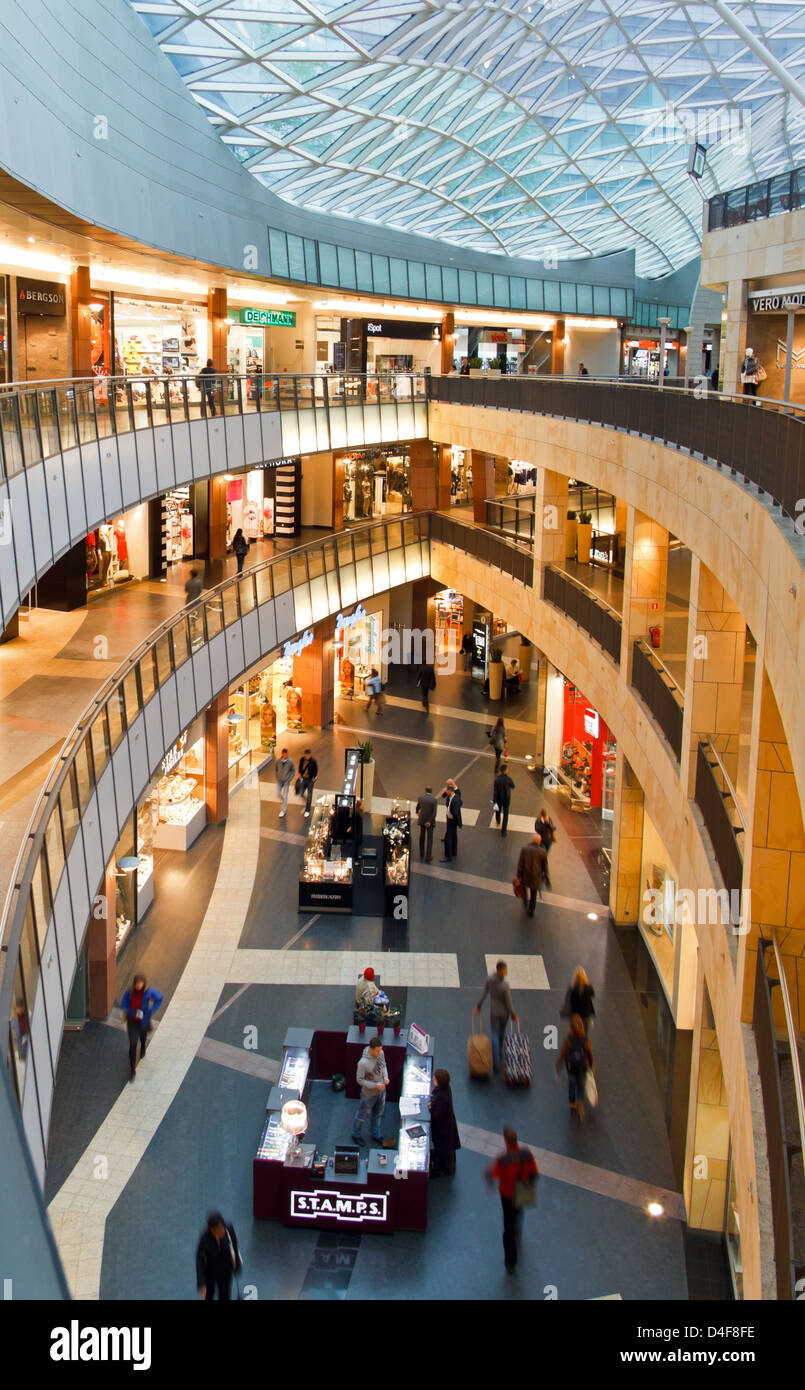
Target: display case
274, 1142
326, 877
295, 1071
413, 1151
417, 1076
397, 861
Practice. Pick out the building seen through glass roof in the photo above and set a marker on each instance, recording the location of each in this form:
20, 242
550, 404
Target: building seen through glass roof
556, 130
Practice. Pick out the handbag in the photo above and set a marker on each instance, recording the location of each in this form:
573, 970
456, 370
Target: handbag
519, 890
525, 1193
760, 374
297, 786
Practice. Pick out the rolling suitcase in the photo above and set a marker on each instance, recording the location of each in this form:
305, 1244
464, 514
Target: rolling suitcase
479, 1051
516, 1058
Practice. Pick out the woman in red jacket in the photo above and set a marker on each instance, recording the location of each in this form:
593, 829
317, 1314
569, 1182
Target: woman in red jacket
509, 1168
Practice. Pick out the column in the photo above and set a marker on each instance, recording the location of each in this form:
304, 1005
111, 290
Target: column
217, 324
733, 336
314, 673
542, 691
101, 948
423, 458
625, 894
558, 349
216, 545
645, 581
81, 321
483, 484
448, 341
216, 760
550, 517
444, 479
714, 670
777, 868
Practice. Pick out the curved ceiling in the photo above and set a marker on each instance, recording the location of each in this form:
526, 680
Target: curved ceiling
533, 129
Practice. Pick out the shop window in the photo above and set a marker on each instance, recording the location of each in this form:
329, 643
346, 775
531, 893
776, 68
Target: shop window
178, 812
68, 802
147, 677
296, 258
162, 347
278, 253
399, 276
416, 280
535, 294
466, 283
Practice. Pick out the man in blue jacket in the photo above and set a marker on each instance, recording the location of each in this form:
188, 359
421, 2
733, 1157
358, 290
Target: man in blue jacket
138, 1004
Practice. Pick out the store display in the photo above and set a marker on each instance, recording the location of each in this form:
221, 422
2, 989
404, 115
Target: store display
396, 861
179, 797
294, 1071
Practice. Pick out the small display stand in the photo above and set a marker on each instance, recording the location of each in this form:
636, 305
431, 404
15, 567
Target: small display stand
397, 861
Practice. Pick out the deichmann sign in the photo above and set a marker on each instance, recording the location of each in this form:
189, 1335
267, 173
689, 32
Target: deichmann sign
777, 301
41, 297
268, 318
341, 1206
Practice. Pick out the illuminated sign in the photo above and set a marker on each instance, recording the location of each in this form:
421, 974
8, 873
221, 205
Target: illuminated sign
349, 1207
268, 318
175, 755
41, 297
591, 723
342, 623
296, 648
778, 301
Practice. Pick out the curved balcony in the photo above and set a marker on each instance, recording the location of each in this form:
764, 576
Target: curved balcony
76, 453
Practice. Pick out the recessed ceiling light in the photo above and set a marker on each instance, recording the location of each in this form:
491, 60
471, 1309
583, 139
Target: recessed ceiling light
655, 1209
32, 238
592, 916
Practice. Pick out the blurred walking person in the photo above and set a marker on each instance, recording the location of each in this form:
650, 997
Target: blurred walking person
497, 739
501, 1008
513, 1166
530, 869
579, 1000
138, 1004
577, 1056
443, 1128
217, 1259
283, 775
502, 789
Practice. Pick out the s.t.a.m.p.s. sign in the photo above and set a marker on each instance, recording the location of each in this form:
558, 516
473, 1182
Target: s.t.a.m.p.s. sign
349, 1207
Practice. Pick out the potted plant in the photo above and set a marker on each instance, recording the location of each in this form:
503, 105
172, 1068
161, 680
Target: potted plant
571, 526
524, 657
584, 533
368, 773
495, 673
475, 365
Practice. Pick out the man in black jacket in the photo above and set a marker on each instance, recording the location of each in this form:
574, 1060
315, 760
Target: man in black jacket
502, 789
308, 772
426, 815
426, 680
207, 382
217, 1258
452, 799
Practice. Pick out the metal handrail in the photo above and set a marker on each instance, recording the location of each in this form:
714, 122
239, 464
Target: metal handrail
660, 666
790, 1028
591, 593
731, 793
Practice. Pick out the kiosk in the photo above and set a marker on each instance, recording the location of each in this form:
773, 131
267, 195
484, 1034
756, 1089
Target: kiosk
385, 1191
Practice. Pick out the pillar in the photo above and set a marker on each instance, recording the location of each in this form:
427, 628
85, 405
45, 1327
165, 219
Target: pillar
444, 478
448, 341
81, 321
734, 337
216, 760
216, 545
217, 324
625, 893
542, 693
777, 868
550, 517
483, 484
645, 581
423, 456
102, 948
314, 673
558, 349
714, 670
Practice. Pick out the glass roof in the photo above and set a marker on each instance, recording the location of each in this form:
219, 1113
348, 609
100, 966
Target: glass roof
530, 129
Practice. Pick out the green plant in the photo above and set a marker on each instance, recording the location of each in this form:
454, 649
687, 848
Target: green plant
366, 750
585, 518
571, 516
475, 363
496, 654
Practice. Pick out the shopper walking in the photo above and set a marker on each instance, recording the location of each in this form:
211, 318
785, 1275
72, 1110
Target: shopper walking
497, 740
579, 1000
138, 1004
467, 650
217, 1259
373, 1078
751, 373
426, 815
192, 589
426, 680
513, 1166
206, 382
546, 830
502, 789
283, 775
577, 1056
530, 868
240, 548
501, 1008
452, 799
308, 772
374, 689
444, 1136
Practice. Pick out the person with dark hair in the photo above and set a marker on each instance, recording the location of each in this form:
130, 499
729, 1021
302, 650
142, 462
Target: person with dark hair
443, 1128
426, 681
206, 381
501, 1008
531, 869
373, 1078
138, 1004
426, 815
240, 548
497, 740
513, 1166
502, 789
192, 589
308, 772
217, 1258
467, 648
546, 830
452, 800
577, 1056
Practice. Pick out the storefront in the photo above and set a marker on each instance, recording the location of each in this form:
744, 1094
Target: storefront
247, 505
448, 613
579, 748
261, 709
118, 552
377, 482
776, 331
641, 357
43, 337
159, 339
460, 475
402, 347
491, 349
521, 477
357, 646
262, 340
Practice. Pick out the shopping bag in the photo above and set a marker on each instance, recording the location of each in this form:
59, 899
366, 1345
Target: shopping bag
519, 890
590, 1089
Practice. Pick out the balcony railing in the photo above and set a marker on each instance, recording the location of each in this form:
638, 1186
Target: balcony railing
659, 691
484, 546
766, 447
596, 618
716, 799
512, 516
39, 421
768, 198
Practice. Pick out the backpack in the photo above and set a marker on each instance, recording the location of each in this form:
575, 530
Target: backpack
577, 1057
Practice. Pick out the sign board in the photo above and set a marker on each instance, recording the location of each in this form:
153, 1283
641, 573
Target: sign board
591, 722
41, 297
389, 328
339, 357
342, 623
480, 642
295, 648
267, 318
777, 301
352, 1208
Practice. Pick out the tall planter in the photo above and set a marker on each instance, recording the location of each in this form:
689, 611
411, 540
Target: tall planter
368, 784
524, 657
584, 534
495, 680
